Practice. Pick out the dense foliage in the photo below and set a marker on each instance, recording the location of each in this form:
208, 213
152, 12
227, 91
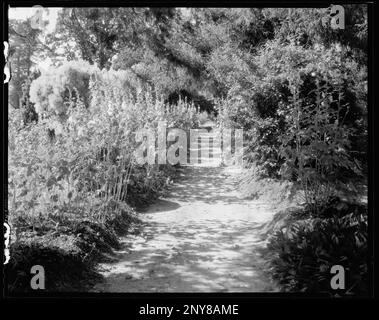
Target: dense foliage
76, 163
306, 249
297, 87
87, 159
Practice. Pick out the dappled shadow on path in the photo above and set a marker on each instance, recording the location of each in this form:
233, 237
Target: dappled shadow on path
203, 238
205, 184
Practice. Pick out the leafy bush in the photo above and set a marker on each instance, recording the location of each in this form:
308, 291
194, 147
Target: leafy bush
88, 168
303, 104
306, 248
54, 91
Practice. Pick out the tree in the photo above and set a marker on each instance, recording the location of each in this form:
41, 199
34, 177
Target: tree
97, 34
24, 46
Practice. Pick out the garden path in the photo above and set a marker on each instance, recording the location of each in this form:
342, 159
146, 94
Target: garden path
203, 237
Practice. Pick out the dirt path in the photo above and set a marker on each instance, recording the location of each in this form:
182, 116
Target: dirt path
204, 237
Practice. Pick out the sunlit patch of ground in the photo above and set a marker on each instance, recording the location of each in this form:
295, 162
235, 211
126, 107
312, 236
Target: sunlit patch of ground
204, 237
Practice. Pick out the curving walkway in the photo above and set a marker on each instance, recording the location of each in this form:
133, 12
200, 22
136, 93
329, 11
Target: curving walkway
204, 237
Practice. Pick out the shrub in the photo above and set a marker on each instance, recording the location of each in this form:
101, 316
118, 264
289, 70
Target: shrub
58, 89
89, 168
305, 249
